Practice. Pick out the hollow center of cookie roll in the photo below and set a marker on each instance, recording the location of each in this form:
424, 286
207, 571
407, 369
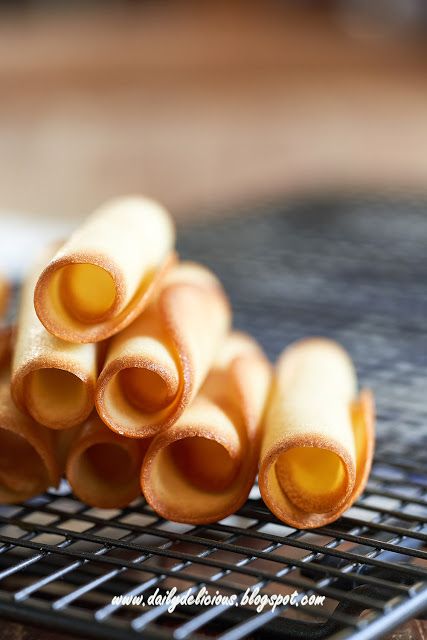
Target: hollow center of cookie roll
139, 389
146, 390
22, 471
105, 474
88, 292
314, 479
108, 462
205, 463
55, 398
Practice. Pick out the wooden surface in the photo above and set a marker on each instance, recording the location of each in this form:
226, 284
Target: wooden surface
204, 104
415, 630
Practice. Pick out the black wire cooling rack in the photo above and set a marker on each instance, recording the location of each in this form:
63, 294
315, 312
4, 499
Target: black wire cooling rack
353, 269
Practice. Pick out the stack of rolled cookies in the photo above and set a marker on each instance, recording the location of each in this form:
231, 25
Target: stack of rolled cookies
123, 374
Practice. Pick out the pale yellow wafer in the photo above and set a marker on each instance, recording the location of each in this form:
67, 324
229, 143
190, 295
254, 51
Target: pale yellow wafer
105, 274
52, 380
318, 437
203, 467
102, 467
155, 367
28, 460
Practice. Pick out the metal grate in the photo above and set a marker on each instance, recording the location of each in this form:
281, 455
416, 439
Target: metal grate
354, 269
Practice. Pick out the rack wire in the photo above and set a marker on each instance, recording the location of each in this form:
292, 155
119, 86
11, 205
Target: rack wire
354, 269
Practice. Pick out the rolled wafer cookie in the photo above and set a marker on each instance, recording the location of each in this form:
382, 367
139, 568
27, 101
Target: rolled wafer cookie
102, 467
203, 467
52, 380
155, 367
28, 460
104, 275
318, 435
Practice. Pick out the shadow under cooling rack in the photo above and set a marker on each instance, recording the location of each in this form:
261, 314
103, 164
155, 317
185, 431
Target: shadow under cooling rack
354, 269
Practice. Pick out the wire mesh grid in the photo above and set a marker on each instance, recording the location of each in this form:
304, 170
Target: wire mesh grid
353, 269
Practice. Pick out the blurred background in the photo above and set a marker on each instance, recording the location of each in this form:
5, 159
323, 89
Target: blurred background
204, 104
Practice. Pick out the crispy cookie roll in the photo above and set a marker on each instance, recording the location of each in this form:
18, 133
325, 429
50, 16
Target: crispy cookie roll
28, 460
155, 367
4, 295
104, 275
318, 436
203, 467
52, 380
102, 467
